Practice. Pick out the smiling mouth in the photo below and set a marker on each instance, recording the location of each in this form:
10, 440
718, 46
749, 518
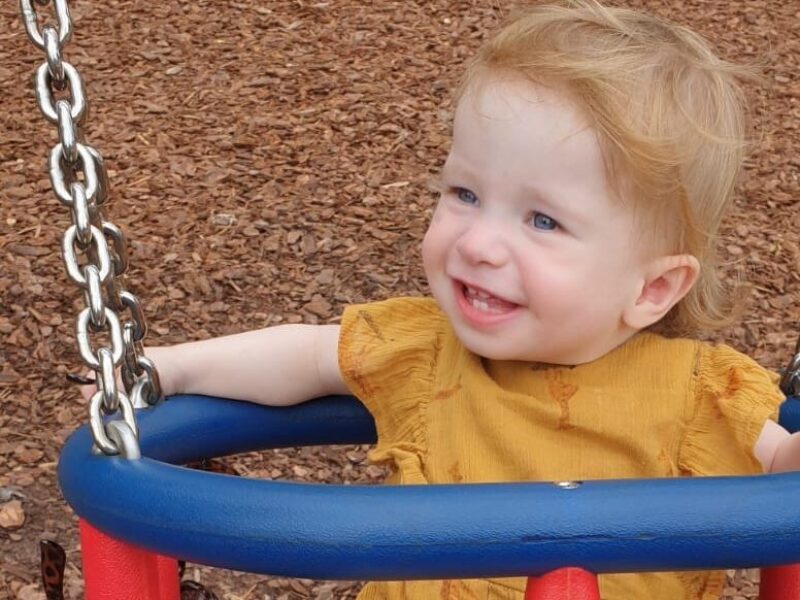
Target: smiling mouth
485, 302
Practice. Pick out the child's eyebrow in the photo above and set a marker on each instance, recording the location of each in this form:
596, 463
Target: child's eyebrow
542, 198
566, 212
563, 211
435, 183
453, 171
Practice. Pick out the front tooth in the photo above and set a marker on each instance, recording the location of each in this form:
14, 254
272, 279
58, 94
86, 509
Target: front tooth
480, 304
478, 293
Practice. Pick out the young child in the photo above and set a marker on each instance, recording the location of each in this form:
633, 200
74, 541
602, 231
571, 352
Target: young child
594, 153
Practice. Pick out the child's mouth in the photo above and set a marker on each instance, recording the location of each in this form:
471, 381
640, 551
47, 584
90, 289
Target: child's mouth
485, 302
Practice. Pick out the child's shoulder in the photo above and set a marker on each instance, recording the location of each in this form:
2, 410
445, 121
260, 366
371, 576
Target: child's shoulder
403, 317
422, 304
396, 309
708, 360
703, 350
646, 350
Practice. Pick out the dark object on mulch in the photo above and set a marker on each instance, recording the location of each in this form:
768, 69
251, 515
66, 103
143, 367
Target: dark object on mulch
54, 561
191, 590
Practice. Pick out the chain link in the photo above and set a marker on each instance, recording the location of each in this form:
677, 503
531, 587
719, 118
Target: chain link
98, 427
94, 249
31, 21
59, 178
790, 382
98, 245
67, 132
46, 98
53, 52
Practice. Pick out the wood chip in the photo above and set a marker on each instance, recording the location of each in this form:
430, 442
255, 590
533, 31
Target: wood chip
12, 515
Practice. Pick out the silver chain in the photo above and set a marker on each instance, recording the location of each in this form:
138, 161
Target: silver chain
80, 182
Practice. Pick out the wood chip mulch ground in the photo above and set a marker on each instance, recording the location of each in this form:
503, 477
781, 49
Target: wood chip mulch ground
269, 162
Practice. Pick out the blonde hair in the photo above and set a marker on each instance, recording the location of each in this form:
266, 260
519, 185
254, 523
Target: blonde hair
670, 114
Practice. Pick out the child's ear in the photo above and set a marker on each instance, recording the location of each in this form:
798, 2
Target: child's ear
666, 281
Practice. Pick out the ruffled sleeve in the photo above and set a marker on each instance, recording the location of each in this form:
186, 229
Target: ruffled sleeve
387, 356
733, 398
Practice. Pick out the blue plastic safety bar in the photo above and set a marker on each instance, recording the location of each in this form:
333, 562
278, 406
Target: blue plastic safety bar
406, 532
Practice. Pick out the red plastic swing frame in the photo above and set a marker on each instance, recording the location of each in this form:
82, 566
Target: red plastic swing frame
115, 570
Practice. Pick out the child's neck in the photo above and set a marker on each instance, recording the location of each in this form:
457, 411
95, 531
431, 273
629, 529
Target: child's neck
589, 354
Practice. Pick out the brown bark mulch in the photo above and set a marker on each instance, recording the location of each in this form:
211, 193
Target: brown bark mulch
269, 162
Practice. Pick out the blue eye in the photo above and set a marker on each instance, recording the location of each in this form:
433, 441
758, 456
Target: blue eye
543, 222
466, 196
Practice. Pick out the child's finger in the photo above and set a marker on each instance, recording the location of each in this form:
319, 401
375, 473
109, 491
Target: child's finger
86, 381
80, 379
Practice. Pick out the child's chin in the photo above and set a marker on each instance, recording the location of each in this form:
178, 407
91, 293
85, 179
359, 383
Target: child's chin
488, 348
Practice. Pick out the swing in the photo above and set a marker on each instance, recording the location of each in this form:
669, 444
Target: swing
138, 508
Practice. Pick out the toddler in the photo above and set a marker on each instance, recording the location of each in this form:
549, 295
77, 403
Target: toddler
571, 253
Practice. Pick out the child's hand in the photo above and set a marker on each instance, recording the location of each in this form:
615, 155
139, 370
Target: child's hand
87, 383
88, 380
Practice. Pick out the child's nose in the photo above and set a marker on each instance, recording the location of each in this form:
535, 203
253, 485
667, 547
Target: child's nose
483, 243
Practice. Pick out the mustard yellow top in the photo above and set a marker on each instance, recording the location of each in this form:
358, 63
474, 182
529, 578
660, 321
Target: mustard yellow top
654, 407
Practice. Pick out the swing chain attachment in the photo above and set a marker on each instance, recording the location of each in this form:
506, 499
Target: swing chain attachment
94, 249
790, 381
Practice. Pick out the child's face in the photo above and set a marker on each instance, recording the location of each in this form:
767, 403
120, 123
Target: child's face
528, 253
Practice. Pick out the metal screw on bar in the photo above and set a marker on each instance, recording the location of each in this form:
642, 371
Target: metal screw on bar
568, 485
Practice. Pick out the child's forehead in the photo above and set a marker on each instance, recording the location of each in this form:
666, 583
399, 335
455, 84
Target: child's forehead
523, 121
493, 84
509, 99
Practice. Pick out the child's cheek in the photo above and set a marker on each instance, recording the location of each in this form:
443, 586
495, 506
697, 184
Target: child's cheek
429, 247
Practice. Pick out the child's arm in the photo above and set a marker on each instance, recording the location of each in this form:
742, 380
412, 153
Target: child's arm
777, 449
278, 366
